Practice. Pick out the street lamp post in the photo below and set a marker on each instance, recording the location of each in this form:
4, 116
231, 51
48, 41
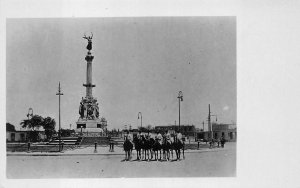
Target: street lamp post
59, 94
209, 121
180, 98
141, 118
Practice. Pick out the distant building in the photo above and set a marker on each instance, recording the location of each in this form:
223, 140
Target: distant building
22, 136
187, 130
16, 136
228, 131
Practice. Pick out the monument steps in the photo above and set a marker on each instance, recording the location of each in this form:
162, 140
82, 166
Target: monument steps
67, 141
92, 140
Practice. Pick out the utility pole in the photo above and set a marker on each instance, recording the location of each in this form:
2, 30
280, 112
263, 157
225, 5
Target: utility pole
59, 94
180, 98
209, 124
209, 121
203, 126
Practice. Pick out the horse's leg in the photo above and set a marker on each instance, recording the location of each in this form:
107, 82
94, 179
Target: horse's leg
183, 151
140, 155
151, 152
160, 154
168, 154
130, 154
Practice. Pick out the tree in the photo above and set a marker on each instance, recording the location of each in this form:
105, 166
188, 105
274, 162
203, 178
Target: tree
38, 121
35, 122
10, 127
49, 126
66, 132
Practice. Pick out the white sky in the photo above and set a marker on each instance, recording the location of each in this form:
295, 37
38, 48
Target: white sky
140, 65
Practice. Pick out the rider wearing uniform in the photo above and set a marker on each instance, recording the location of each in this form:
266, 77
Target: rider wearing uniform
179, 136
168, 136
160, 138
130, 138
139, 135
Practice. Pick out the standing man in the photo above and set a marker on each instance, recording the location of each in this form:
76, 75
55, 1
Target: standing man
222, 141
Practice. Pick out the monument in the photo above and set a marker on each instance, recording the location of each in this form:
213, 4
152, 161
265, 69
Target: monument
89, 122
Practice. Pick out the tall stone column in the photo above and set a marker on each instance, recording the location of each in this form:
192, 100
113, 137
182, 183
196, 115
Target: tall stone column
89, 86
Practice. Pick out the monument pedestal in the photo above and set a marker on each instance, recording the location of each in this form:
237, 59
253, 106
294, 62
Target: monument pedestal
93, 127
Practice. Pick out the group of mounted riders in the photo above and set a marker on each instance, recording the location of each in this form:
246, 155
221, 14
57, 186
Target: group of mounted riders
159, 147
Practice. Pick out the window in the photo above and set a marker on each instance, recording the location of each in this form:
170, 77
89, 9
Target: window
22, 137
13, 136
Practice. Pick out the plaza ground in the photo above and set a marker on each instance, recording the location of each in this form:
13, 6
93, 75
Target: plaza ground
216, 162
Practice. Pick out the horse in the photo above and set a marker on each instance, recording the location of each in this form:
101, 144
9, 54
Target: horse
178, 145
146, 146
128, 146
166, 146
151, 144
157, 147
138, 147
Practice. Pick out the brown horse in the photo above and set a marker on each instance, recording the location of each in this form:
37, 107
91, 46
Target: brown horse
178, 145
128, 146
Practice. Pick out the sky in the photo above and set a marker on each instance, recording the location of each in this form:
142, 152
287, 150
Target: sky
140, 65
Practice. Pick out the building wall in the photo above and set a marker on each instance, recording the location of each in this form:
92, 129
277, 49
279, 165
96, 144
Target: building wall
187, 130
16, 136
229, 135
21, 136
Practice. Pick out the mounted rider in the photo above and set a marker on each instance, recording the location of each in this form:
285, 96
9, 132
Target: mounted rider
139, 134
178, 136
168, 136
159, 137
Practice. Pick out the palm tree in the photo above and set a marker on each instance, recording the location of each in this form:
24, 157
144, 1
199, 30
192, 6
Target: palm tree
35, 122
49, 126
